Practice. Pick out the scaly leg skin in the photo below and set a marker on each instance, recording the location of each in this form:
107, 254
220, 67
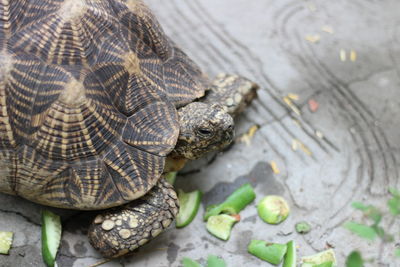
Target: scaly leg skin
123, 229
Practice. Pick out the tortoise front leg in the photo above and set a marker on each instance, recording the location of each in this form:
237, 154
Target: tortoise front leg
123, 229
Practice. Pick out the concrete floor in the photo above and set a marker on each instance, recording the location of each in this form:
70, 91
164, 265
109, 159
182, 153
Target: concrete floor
286, 46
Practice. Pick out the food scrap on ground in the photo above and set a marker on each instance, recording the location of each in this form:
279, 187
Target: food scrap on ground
6, 239
294, 97
221, 225
234, 203
313, 38
292, 106
296, 143
290, 259
187, 262
51, 236
215, 261
353, 55
319, 134
327, 29
246, 138
212, 261
342, 55
274, 167
273, 209
189, 206
303, 227
312, 7
270, 252
325, 257
313, 105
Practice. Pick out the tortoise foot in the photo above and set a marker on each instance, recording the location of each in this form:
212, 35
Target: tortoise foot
123, 229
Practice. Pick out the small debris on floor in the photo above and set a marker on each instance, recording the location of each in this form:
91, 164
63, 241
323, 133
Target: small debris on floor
312, 7
246, 138
313, 105
292, 106
319, 134
313, 38
353, 55
342, 55
296, 143
295, 146
274, 167
327, 29
293, 97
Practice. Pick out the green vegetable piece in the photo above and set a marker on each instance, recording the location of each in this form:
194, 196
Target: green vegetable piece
327, 258
234, 203
397, 252
394, 192
291, 256
394, 206
221, 225
6, 239
361, 230
273, 209
187, 262
325, 264
171, 177
214, 261
354, 260
270, 252
303, 227
51, 236
189, 205
369, 210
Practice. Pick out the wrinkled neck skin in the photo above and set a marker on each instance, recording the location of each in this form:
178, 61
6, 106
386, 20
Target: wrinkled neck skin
203, 128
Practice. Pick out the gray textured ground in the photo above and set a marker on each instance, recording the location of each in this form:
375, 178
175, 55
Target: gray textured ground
358, 116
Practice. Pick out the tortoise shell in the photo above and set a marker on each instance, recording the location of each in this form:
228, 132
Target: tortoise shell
88, 98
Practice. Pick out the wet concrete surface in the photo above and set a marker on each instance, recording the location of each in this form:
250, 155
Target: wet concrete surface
355, 159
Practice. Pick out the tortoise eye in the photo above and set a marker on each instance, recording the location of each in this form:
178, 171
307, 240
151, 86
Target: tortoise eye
204, 131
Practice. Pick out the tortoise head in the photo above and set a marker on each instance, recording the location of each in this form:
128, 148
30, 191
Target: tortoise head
203, 128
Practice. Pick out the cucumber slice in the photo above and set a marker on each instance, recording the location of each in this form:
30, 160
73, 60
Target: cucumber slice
51, 236
290, 257
270, 252
171, 177
6, 239
221, 225
189, 205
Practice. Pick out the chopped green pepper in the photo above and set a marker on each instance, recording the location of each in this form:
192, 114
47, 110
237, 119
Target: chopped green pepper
270, 252
290, 257
234, 203
221, 225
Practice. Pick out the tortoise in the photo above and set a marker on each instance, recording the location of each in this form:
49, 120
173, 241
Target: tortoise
94, 100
